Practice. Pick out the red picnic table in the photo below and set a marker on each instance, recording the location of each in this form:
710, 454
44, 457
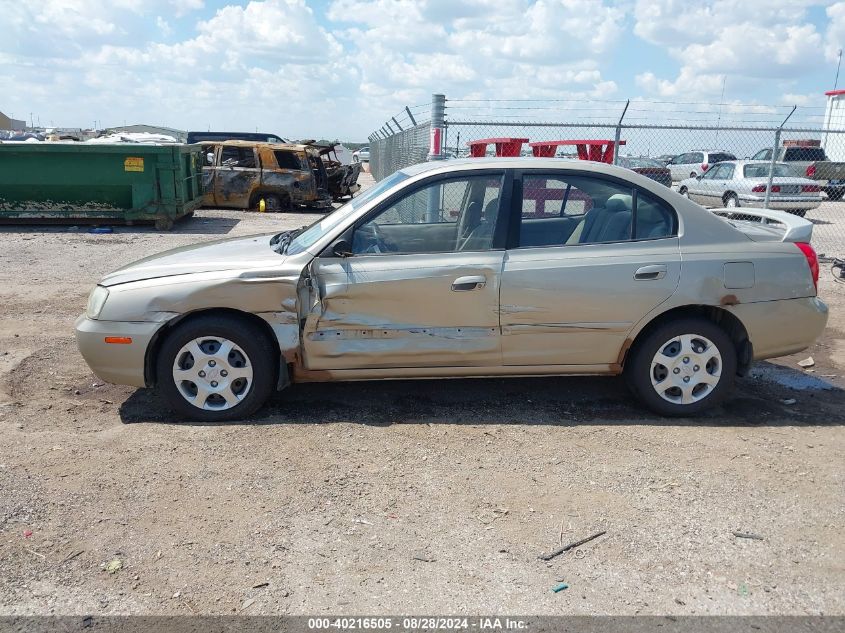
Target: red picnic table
599, 150
504, 146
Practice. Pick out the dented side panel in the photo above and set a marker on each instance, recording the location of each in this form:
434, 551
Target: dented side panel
575, 305
402, 311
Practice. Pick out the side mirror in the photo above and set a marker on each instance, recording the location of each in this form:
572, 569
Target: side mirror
342, 248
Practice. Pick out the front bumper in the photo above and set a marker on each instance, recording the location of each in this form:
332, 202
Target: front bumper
122, 364
780, 328
783, 203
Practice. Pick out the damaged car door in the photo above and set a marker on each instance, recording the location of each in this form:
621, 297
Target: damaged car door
581, 274
236, 176
414, 283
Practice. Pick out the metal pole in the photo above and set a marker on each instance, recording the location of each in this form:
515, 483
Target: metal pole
838, 64
438, 122
411, 116
775, 149
389, 127
619, 132
435, 152
397, 123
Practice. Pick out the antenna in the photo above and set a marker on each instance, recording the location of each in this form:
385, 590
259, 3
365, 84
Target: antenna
721, 101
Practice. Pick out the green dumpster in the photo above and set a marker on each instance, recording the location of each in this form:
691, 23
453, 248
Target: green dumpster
75, 182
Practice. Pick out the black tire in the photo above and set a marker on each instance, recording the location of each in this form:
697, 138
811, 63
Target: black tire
727, 198
692, 174
260, 354
799, 212
164, 224
638, 368
683, 192
835, 194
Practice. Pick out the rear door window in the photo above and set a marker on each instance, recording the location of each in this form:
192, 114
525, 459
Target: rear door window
287, 159
237, 156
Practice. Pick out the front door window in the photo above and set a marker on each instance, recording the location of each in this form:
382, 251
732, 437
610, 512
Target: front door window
446, 216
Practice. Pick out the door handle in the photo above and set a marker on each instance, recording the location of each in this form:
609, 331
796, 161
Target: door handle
472, 282
647, 273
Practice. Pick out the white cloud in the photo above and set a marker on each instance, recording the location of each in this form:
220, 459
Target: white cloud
743, 40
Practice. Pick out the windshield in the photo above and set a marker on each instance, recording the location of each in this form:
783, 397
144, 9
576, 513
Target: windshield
318, 229
762, 170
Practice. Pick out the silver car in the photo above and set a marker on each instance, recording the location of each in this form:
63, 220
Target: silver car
695, 163
473, 267
361, 155
743, 183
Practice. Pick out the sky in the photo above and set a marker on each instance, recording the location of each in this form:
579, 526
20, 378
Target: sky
339, 68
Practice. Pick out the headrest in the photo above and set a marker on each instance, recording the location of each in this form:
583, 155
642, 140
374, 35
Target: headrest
619, 202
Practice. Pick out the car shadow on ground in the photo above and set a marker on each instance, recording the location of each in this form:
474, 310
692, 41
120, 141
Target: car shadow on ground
188, 226
759, 400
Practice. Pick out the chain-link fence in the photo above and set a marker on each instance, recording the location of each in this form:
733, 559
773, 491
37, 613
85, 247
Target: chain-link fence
728, 155
401, 141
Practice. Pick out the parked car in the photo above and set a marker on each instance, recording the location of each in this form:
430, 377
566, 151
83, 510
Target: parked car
361, 155
743, 183
811, 162
240, 174
648, 167
692, 164
258, 137
446, 269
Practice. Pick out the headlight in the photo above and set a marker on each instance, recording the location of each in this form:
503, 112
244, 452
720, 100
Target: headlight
96, 301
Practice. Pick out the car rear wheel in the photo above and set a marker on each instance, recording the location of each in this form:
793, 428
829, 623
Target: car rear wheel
683, 191
692, 174
215, 368
799, 212
731, 201
682, 367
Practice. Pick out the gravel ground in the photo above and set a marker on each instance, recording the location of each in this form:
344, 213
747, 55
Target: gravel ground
399, 497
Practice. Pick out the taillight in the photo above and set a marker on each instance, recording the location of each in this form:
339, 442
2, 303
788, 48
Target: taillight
762, 189
704, 166
810, 188
811, 170
812, 261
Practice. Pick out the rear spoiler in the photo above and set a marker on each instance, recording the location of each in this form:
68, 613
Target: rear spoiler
796, 229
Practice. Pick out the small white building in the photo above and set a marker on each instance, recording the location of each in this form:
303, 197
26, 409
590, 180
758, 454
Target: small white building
834, 119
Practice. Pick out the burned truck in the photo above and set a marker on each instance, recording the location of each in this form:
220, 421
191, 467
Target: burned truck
343, 179
270, 176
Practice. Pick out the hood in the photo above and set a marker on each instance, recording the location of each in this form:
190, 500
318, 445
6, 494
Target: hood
220, 255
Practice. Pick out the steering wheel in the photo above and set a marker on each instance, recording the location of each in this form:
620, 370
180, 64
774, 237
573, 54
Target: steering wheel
372, 240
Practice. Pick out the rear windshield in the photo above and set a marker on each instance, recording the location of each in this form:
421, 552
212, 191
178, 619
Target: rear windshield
717, 157
762, 171
804, 153
637, 163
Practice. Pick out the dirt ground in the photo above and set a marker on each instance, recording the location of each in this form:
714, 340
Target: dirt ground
399, 497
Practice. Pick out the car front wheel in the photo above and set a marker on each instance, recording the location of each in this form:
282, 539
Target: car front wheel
731, 201
682, 367
216, 368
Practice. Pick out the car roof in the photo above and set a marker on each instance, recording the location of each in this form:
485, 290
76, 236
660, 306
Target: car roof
242, 143
522, 162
